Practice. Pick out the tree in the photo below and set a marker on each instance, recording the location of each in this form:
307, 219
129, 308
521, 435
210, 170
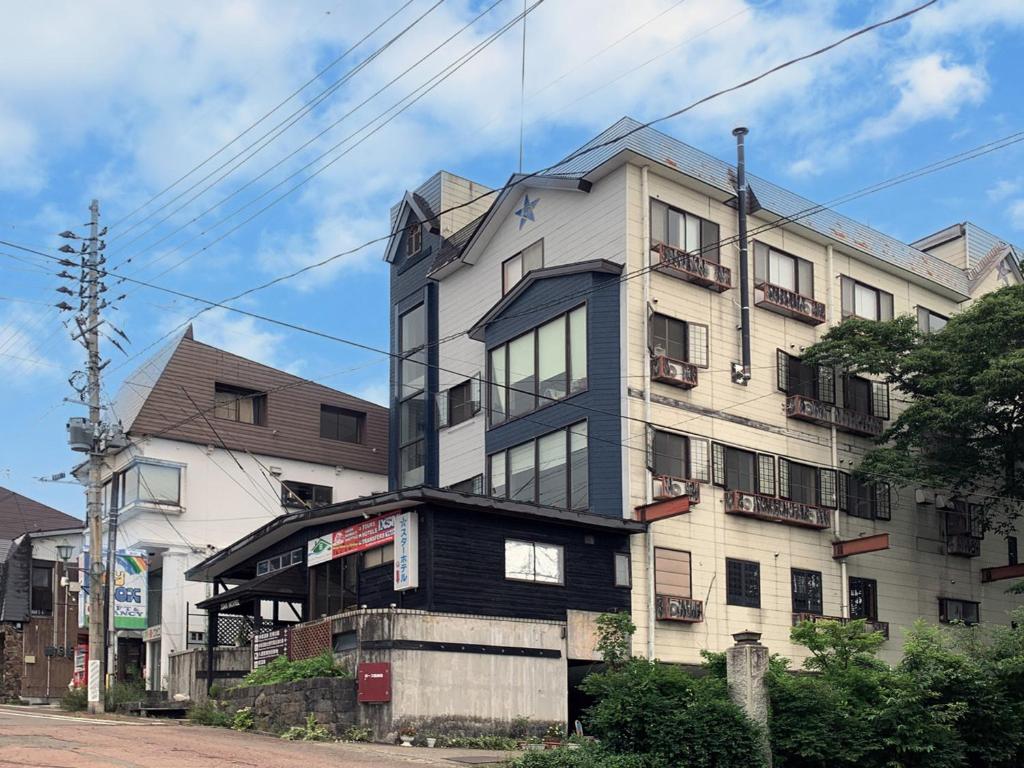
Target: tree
963, 427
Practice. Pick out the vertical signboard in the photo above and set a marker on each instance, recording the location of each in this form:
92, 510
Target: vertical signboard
131, 571
407, 561
267, 646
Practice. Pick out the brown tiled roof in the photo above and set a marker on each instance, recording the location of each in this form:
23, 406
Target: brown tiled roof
20, 514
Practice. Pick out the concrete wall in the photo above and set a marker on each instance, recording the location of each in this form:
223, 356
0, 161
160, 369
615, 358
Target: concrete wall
186, 671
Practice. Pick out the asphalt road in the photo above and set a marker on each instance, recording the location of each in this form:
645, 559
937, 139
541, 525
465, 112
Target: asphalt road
44, 738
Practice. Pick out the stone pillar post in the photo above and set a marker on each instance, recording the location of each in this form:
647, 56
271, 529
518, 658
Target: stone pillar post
746, 666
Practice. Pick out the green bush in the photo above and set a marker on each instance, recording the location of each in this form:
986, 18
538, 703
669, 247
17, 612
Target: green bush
210, 713
311, 731
243, 720
120, 694
592, 756
357, 733
500, 743
75, 700
281, 670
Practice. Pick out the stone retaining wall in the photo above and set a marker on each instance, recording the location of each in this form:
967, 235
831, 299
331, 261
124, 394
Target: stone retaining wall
281, 705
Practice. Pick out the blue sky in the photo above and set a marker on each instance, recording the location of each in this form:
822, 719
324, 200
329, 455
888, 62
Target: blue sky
117, 100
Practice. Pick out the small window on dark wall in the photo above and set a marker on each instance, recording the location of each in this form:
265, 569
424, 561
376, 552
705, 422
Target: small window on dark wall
623, 572
379, 556
413, 238
296, 494
341, 424
42, 590
532, 561
247, 406
743, 583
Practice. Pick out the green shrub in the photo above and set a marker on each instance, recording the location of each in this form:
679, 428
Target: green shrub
243, 720
120, 694
281, 670
311, 731
357, 733
591, 756
210, 713
75, 700
499, 743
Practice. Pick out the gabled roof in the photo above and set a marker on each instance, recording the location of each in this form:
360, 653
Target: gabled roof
981, 244
533, 276
19, 514
416, 205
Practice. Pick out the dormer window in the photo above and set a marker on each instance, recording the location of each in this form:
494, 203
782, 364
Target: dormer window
413, 238
247, 406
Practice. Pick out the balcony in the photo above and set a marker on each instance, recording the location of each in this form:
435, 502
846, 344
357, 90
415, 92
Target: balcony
666, 487
783, 301
777, 510
684, 609
827, 415
692, 268
872, 625
963, 545
673, 372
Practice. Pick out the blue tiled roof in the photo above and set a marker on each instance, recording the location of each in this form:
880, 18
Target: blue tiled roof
980, 243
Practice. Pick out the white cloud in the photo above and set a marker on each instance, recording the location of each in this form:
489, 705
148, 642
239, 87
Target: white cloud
246, 337
1003, 189
929, 87
1016, 213
374, 391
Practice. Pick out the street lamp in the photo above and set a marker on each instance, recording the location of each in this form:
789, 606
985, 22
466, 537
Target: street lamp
64, 552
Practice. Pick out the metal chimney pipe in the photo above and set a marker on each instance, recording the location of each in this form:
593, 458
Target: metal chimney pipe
741, 207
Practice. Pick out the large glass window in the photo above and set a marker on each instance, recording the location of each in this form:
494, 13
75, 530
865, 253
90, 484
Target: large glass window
412, 407
930, 322
157, 483
783, 269
298, 494
684, 231
679, 340
546, 364
334, 586
551, 470
803, 483
530, 561
966, 611
864, 301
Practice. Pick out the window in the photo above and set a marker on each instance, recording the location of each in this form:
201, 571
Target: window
861, 300
530, 561
672, 574
149, 483
296, 494
1011, 550
545, 364
413, 238
930, 322
473, 484
333, 586
802, 482
623, 570
551, 470
743, 583
684, 231
871, 501
670, 456
679, 340
276, 563
515, 268
864, 396
951, 610
379, 556
795, 377
783, 269
806, 591
412, 406
341, 424
247, 406
734, 469
41, 597
462, 405
863, 598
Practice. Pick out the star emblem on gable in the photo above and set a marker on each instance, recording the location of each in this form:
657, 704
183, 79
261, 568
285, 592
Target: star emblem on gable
525, 212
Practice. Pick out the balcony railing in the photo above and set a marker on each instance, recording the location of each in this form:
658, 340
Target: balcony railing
843, 419
673, 372
777, 510
665, 487
690, 267
872, 625
963, 545
789, 303
685, 609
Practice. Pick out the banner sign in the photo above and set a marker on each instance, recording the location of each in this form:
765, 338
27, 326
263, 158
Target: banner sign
356, 538
131, 571
407, 562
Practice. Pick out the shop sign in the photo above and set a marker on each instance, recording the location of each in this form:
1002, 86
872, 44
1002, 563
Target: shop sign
267, 646
373, 682
128, 592
356, 538
407, 564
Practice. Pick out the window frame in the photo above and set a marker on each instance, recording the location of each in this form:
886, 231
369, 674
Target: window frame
712, 255
50, 603
748, 569
669, 590
945, 603
503, 459
506, 286
409, 355
338, 411
692, 351
811, 604
413, 238
120, 484
924, 318
294, 501
259, 403
534, 545
763, 269
293, 556
850, 309
386, 558
869, 587
618, 557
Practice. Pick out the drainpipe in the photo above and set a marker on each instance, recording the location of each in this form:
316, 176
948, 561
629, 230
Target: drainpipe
742, 376
645, 212
844, 601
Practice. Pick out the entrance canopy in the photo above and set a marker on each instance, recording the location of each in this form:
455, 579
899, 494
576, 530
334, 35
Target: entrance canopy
286, 585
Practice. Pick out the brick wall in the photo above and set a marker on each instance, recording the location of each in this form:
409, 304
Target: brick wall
11, 662
277, 707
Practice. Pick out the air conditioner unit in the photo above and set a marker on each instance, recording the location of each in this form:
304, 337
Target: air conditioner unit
942, 501
668, 488
924, 496
743, 503
674, 372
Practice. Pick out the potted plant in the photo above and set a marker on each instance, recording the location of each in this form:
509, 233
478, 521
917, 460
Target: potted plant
407, 734
553, 736
431, 741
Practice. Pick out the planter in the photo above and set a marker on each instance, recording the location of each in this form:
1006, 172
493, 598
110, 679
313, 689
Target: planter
531, 746
431, 742
552, 743
406, 739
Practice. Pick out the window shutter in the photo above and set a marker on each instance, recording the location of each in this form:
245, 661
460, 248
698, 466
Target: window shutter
474, 392
880, 399
718, 464
783, 478
782, 363
883, 501
884, 306
697, 344
826, 384
766, 474
441, 401
650, 446
760, 263
805, 278
846, 288
843, 484
699, 460
827, 488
